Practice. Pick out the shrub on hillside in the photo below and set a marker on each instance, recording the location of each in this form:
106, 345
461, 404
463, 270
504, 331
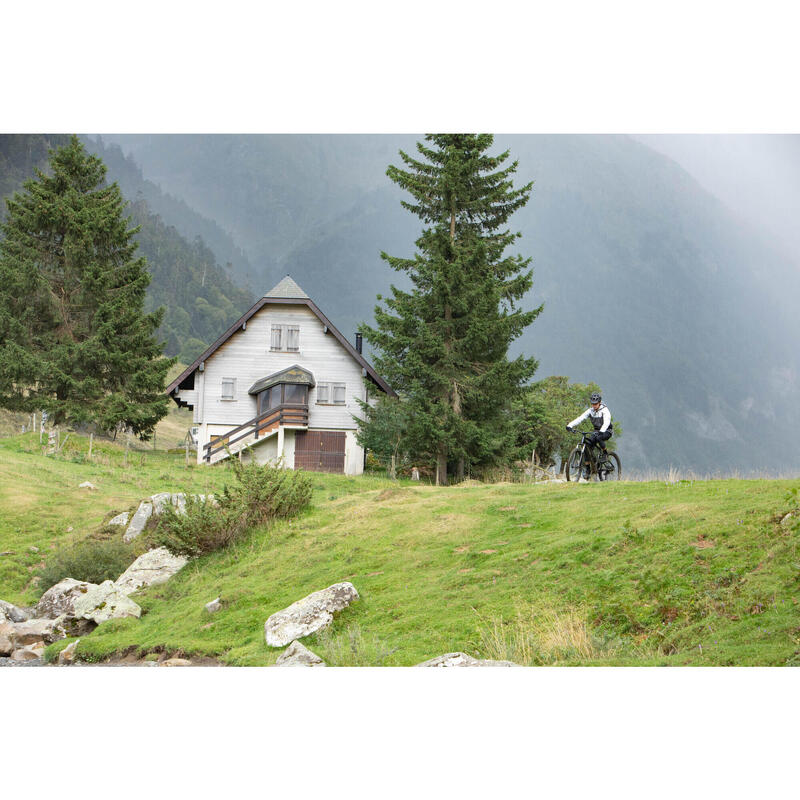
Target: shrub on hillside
91, 560
260, 494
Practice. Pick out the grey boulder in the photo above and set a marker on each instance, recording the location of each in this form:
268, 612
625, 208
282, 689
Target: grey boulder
120, 519
59, 599
155, 566
298, 655
13, 613
308, 615
104, 602
139, 520
463, 660
32, 632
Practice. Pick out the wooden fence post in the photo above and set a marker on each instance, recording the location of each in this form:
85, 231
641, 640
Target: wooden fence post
91, 437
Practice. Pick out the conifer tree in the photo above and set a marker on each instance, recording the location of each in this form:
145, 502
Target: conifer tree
74, 338
444, 344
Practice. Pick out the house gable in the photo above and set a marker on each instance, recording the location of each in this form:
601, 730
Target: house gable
183, 388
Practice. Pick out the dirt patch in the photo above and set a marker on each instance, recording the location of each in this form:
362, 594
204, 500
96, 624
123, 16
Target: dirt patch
520, 558
463, 571
701, 543
373, 574
463, 549
488, 552
507, 508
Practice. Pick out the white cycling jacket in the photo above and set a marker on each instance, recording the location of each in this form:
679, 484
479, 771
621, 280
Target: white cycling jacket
602, 415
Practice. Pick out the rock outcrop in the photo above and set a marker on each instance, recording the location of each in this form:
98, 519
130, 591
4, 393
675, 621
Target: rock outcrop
59, 599
104, 602
120, 519
463, 660
155, 566
308, 615
298, 655
139, 521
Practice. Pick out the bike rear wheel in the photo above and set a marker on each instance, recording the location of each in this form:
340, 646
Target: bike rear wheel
574, 466
614, 474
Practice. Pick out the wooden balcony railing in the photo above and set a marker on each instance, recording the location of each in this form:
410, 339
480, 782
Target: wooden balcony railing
294, 414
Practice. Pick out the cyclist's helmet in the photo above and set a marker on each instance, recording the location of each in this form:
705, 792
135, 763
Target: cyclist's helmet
595, 398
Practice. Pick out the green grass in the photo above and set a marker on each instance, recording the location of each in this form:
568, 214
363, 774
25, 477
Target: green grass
680, 573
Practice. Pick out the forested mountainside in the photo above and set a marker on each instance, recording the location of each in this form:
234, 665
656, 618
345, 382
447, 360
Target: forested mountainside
188, 222
200, 297
652, 287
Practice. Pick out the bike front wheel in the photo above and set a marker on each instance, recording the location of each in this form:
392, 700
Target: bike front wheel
574, 465
615, 473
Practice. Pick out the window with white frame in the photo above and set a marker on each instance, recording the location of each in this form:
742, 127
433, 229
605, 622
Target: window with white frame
228, 388
331, 394
285, 338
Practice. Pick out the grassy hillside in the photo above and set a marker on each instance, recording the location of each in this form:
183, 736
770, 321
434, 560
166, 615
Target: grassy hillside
699, 573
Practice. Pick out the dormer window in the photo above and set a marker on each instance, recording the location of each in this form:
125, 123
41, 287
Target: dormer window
285, 338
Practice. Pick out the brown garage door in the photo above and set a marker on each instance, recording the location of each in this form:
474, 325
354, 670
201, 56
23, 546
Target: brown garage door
320, 451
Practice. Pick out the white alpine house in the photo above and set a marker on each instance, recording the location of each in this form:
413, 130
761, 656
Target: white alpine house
280, 385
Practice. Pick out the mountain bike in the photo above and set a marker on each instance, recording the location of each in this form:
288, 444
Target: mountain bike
583, 462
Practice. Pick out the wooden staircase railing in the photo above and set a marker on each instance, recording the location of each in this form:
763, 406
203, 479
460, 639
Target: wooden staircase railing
286, 414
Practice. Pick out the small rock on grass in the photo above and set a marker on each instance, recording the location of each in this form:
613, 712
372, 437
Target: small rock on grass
87, 485
214, 606
175, 662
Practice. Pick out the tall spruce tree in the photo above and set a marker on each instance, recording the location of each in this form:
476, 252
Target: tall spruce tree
444, 345
74, 338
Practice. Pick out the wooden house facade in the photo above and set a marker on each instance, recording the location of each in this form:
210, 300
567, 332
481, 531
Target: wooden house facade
281, 383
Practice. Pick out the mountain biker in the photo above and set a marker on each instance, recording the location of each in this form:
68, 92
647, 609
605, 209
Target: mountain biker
600, 418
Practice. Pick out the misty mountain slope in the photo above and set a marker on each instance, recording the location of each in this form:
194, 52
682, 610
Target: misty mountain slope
269, 192
693, 326
188, 222
652, 287
199, 296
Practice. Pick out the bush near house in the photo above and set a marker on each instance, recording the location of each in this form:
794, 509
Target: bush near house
258, 495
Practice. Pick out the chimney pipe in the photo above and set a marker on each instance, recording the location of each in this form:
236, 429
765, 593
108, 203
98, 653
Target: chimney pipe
358, 342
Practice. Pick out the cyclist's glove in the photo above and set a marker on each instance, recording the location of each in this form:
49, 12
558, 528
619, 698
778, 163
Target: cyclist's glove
569, 429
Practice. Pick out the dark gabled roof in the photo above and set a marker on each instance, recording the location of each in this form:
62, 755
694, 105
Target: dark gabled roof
293, 374
282, 295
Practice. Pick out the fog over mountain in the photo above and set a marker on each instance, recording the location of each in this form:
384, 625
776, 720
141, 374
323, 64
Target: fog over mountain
682, 308
757, 176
